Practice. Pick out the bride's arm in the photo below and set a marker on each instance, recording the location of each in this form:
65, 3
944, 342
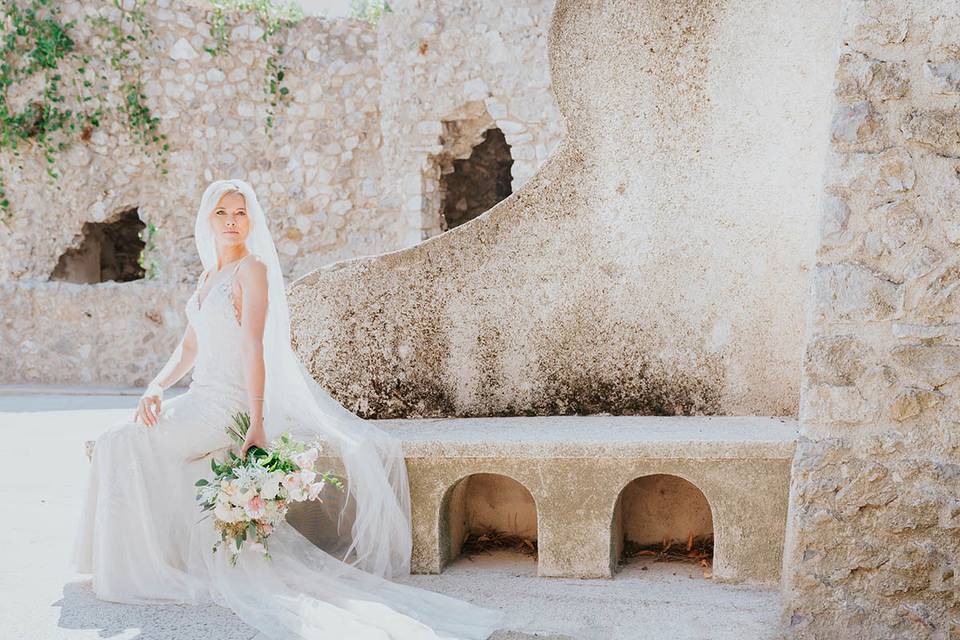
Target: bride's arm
181, 360
252, 277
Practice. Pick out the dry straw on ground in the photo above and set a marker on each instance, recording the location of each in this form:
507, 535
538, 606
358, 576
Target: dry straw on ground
696, 549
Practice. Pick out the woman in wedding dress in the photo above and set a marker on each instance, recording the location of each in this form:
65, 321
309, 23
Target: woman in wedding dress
142, 535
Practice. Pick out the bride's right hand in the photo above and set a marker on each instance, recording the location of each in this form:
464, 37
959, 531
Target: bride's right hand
149, 407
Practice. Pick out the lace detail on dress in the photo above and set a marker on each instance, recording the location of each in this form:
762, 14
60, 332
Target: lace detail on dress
217, 325
226, 288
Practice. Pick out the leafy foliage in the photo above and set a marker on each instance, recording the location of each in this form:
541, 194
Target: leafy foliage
125, 56
369, 10
48, 94
248, 495
273, 17
151, 267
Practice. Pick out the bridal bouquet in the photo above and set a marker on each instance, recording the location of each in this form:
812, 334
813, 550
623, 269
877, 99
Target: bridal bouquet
249, 496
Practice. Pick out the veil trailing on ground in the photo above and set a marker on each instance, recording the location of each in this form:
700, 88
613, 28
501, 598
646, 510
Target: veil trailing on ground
377, 494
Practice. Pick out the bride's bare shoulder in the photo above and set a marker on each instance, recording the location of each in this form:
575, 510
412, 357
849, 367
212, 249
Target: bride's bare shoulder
253, 271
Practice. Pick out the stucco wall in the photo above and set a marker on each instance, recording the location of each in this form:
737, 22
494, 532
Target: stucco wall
658, 262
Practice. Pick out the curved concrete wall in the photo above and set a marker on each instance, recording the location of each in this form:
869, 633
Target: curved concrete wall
657, 263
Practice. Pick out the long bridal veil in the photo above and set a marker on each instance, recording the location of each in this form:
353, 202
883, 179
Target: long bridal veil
304, 591
377, 496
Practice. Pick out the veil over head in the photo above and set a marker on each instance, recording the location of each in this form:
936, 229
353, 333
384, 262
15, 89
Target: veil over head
377, 495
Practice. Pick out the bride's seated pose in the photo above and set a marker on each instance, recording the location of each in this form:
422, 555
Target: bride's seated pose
142, 535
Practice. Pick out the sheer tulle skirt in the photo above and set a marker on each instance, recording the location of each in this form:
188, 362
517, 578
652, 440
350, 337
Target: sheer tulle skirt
145, 541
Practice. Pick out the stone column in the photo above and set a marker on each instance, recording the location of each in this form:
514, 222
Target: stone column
873, 535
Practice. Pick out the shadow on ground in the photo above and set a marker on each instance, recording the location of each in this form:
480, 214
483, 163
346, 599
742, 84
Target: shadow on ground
80, 609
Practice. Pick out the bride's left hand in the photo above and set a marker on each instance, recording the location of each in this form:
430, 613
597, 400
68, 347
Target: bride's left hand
256, 437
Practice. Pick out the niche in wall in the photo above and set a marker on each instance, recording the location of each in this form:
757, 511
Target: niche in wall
476, 183
487, 512
108, 250
662, 517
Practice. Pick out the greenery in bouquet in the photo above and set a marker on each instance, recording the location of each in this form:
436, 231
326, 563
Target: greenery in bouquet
250, 495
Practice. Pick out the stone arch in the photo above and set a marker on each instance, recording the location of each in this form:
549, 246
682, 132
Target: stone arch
657, 508
104, 251
481, 500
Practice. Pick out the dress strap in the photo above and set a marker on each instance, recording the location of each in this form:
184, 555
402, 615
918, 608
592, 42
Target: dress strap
239, 262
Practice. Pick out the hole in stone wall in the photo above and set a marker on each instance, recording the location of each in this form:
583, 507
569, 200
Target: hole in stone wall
478, 182
488, 514
662, 518
107, 251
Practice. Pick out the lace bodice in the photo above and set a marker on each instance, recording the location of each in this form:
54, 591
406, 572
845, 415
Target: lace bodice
218, 365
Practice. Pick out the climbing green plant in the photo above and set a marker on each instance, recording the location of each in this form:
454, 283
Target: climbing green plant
146, 259
273, 18
48, 93
32, 98
369, 10
126, 50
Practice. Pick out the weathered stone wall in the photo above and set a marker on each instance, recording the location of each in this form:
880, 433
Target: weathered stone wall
873, 548
457, 69
364, 120
316, 175
657, 263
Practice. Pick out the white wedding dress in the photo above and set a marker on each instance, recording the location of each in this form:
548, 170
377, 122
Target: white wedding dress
143, 539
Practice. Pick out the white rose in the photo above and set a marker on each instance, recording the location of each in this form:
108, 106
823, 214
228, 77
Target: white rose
241, 498
223, 512
228, 487
271, 486
306, 459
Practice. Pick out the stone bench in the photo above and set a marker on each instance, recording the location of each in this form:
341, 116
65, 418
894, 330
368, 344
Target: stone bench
576, 470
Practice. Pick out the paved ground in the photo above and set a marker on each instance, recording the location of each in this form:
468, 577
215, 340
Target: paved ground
43, 473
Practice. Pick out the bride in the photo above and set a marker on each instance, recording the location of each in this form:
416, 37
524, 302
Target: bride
141, 535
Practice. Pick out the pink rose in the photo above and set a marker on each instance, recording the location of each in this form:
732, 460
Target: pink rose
254, 506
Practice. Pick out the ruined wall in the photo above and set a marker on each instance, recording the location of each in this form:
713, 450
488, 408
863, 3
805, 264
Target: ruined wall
873, 540
457, 69
657, 263
316, 178
316, 174
327, 179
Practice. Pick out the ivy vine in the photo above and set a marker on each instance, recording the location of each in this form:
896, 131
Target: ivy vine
273, 18
369, 10
125, 54
151, 267
39, 106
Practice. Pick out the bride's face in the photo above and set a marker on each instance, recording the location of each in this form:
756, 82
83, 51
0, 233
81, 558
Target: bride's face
229, 220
